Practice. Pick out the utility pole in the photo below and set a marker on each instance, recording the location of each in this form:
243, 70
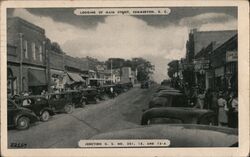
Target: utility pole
21, 62
110, 70
47, 62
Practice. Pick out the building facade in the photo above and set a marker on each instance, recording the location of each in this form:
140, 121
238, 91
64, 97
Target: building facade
208, 53
26, 57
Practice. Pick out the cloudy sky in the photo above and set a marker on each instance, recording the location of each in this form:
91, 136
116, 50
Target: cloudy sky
159, 39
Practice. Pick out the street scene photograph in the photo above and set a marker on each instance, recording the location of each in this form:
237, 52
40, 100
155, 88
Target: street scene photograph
122, 77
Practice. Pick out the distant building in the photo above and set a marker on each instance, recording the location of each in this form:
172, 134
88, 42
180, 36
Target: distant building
127, 75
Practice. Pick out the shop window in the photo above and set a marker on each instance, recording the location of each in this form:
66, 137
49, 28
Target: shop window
15, 86
33, 47
24, 83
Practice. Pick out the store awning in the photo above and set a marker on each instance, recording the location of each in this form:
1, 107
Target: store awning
75, 77
36, 77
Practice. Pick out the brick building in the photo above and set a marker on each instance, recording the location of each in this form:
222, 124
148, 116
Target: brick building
208, 58
26, 57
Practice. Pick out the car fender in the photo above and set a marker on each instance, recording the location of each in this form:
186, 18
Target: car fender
33, 118
209, 114
47, 109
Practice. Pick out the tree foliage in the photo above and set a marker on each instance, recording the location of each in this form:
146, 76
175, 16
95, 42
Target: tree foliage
56, 47
172, 68
143, 67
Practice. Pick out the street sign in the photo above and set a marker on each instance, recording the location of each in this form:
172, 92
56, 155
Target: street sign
232, 56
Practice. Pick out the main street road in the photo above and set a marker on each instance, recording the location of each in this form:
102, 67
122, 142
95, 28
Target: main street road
65, 130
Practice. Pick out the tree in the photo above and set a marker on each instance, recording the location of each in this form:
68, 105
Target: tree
173, 68
144, 68
56, 47
116, 63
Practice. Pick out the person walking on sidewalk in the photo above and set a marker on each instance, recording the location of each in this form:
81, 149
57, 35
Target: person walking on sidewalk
222, 114
200, 100
214, 105
208, 99
235, 111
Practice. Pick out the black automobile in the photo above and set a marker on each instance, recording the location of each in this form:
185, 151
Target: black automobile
38, 104
145, 84
90, 94
176, 115
61, 102
78, 99
119, 88
169, 99
178, 135
20, 117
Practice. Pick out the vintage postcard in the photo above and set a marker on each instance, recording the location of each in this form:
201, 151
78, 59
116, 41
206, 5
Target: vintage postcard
125, 78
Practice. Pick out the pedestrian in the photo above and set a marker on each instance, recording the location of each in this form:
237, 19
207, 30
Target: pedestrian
214, 105
208, 99
235, 111
193, 98
222, 114
112, 92
200, 100
43, 92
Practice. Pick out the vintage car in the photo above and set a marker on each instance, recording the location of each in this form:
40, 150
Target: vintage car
167, 90
178, 135
164, 88
169, 99
175, 115
20, 117
60, 102
77, 97
38, 104
145, 84
91, 94
118, 88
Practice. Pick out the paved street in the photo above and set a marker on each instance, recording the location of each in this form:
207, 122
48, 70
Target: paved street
65, 130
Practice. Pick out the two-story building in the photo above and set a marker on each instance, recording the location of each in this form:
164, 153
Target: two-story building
199, 47
26, 57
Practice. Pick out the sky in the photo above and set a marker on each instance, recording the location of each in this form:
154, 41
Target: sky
157, 38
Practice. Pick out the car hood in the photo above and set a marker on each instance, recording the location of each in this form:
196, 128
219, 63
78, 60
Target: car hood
179, 135
26, 110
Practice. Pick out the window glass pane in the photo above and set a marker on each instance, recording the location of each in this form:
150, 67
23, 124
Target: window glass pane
34, 50
25, 48
40, 53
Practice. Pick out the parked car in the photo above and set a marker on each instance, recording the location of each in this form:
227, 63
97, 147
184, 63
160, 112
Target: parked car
116, 90
61, 102
78, 99
38, 104
163, 88
145, 84
167, 91
20, 117
90, 94
169, 99
119, 88
179, 135
174, 115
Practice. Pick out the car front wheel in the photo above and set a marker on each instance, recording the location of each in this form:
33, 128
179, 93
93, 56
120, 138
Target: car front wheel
23, 123
45, 116
68, 108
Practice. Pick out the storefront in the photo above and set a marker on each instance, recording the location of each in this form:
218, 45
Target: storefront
231, 73
74, 80
219, 79
57, 79
37, 81
11, 82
